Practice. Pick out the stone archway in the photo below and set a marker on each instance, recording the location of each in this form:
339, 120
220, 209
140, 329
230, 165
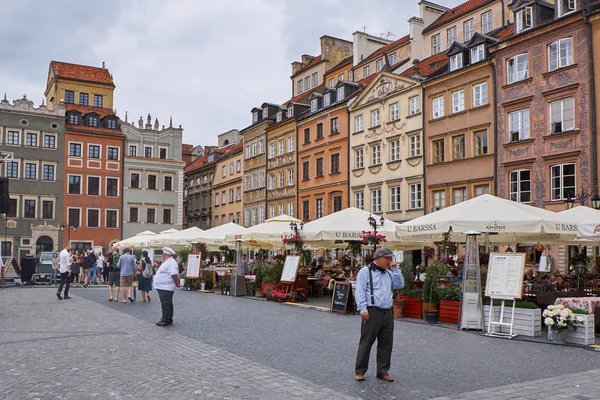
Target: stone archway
44, 243
46, 230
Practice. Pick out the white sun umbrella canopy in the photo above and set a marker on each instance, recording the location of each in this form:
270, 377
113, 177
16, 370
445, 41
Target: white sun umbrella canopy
158, 239
215, 237
178, 239
345, 225
505, 221
588, 222
140, 240
266, 235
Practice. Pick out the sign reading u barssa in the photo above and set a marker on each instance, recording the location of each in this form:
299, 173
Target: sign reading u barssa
421, 228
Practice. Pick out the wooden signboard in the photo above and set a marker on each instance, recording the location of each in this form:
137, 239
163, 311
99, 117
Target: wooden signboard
193, 266
342, 299
290, 269
505, 276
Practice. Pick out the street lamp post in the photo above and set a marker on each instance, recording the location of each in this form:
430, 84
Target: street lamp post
68, 228
373, 223
297, 229
583, 197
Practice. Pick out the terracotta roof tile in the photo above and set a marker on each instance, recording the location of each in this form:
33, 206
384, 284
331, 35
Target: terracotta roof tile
102, 112
187, 148
310, 64
304, 95
81, 72
367, 80
202, 161
503, 33
430, 66
385, 49
456, 12
85, 128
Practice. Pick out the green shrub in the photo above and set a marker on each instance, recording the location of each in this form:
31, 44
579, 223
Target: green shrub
452, 293
580, 311
414, 293
432, 280
518, 304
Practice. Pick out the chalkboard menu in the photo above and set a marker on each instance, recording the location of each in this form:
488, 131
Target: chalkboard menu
342, 300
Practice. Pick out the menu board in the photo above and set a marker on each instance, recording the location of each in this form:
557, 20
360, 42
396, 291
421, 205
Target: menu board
193, 266
505, 276
342, 300
290, 269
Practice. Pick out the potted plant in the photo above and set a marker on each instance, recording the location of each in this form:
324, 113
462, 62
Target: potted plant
559, 321
413, 302
450, 304
293, 296
399, 294
527, 320
268, 292
431, 295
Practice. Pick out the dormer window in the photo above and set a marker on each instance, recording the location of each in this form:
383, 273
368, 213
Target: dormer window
111, 123
477, 54
327, 100
313, 105
265, 112
566, 7
290, 111
456, 62
93, 121
379, 65
279, 116
524, 19
340, 93
392, 59
74, 119
255, 117
366, 71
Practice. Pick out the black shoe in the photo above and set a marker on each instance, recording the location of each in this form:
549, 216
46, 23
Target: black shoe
67, 297
131, 299
162, 323
59, 296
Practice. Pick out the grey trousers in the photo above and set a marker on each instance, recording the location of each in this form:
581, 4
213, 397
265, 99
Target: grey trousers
380, 326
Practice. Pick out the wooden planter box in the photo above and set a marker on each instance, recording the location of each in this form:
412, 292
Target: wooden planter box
412, 308
450, 311
527, 322
585, 330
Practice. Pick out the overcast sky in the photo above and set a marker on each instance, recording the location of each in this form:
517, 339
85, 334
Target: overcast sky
205, 62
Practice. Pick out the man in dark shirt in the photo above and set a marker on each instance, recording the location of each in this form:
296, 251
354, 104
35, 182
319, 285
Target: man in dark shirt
114, 275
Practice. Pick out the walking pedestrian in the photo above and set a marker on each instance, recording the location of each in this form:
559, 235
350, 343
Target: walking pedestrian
144, 284
65, 272
114, 275
127, 268
85, 264
93, 272
55, 267
100, 266
165, 282
374, 286
75, 269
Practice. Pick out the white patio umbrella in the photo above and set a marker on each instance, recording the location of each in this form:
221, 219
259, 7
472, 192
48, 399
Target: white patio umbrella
266, 235
140, 240
503, 220
349, 224
588, 223
179, 239
157, 241
215, 237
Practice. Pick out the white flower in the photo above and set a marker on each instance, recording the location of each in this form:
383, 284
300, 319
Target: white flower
549, 321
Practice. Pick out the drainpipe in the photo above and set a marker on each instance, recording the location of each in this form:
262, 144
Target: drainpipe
424, 153
504, 22
593, 105
495, 134
349, 163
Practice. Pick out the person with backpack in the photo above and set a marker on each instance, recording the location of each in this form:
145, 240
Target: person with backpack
93, 272
146, 272
85, 266
114, 275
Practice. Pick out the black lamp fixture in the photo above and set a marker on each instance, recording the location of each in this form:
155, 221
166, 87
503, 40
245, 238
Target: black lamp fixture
596, 202
570, 201
373, 223
68, 228
296, 228
583, 198
509, 249
579, 268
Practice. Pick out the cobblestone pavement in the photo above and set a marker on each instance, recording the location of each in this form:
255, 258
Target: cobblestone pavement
239, 348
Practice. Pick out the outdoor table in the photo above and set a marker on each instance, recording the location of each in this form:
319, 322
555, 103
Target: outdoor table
589, 304
312, 281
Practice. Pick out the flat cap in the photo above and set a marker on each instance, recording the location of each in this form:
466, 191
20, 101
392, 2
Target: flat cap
169, 251
382, 252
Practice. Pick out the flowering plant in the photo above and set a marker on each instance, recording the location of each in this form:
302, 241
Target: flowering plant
448, 261
558, 317
371, 238
278, 295
294, 238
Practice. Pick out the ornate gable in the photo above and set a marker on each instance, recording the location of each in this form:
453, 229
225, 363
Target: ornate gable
384, 86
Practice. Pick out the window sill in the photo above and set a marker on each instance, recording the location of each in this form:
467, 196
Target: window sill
477, 108
414, 157
517, 83
334, 133
319, 176
559, 70
413, 115
358, 169
375, 127
454, 114
393, 122
335, 173
319, 139
49, 148
357, 132
415, 209
519, 142
437, 119
557, 134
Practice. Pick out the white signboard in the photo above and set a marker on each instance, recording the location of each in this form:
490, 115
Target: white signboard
193, 266
290, 269
505, 276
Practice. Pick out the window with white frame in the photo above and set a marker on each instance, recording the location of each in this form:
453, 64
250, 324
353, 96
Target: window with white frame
281, 209
359, 158
480, 94
451, 35
517, 68
562, 181
247, 217
379, 65
265, 112
340, 77
460, 195
224, 170
217, 198
437, 106
291, 209
327, 100
13, 137
307, 83
254, 219
248, 152
272, 150
335, 126
30, 170
438, 151
254, 180
366, 71
562, 115
458, 101
290, 111
279, 116
49, 141
394, 112
231, 168
255, 117
566, 7
271, 182
415, 145
392, 59
238, 166
358, 123
12, 169
376, 154
435, 44
395, 150
261, 214
332, 82
481, 143
300, 85
468, 30
272, 211
290, 144
439, 200
48, 172
416, 199
281, 179
482, 189
376, 201
520, 186
395, 198
560, 54
313, 105
414, 106
524, 19
315, 79
319, 204
458, 147
261, 179
477, 53
375, 121
359, 200
247, 182
351, 76
456, 61
281, 147
261, 146
254, 149
486, 22
518, 125
340, 93
31, 139
290, 177
231, 195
